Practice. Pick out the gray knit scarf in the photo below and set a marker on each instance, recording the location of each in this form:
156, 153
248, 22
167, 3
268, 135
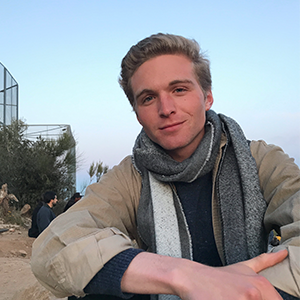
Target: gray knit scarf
161, 221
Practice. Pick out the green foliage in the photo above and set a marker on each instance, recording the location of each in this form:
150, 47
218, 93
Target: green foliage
32, 167
96, 170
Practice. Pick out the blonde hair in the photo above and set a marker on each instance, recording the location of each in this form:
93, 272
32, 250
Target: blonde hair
160, 44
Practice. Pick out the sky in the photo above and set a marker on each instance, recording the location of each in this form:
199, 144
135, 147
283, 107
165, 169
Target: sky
66, 55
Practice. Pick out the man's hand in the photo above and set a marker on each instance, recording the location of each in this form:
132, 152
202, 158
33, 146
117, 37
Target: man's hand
238, 281
155, 274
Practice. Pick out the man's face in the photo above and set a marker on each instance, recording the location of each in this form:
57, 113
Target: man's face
77, 199
55, 200
170, 104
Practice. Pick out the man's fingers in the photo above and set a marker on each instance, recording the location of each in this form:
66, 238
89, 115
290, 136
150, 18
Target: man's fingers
266, 260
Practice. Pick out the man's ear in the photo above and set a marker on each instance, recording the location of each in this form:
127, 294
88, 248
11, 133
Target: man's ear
209, 100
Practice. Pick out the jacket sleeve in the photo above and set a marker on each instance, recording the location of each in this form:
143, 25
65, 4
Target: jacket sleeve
280, 183
76, 245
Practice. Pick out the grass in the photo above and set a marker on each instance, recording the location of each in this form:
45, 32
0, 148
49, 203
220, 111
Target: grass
12, 217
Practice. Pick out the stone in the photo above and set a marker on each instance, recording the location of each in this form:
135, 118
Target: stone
5, 198
25, 209
22, 253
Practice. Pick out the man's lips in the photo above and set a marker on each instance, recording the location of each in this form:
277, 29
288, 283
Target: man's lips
172, 126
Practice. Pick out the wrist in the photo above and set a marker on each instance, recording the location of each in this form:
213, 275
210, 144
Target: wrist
150, 273
180, 277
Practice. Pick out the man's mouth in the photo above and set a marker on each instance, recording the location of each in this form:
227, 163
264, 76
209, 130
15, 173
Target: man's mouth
171, 127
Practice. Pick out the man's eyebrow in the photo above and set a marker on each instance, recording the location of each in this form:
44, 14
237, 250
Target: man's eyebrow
181, 81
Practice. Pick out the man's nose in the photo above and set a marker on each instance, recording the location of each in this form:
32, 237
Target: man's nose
166, 105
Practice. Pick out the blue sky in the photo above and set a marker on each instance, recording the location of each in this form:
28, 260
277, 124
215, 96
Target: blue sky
66, 57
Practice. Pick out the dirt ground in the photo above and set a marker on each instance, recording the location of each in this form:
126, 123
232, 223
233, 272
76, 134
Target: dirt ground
16, 278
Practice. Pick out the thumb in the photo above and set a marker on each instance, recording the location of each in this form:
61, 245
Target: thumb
266, 260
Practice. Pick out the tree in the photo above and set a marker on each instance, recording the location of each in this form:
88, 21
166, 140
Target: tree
96, 170
32, 167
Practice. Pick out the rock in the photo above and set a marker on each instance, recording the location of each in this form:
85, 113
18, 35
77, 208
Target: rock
22, 253
14, 226
25, 209
5, 198
12, 229
27, 222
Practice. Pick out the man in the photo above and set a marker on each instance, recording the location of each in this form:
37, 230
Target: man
76, 197
194, 196
45, 214
33, 231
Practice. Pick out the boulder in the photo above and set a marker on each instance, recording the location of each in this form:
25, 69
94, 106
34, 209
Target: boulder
5, 198
22, 253
25, 210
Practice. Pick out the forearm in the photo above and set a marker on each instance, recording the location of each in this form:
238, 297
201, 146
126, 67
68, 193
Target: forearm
150, 273
108, 279
155, 274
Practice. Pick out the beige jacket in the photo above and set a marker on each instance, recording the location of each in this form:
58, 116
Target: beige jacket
76, 245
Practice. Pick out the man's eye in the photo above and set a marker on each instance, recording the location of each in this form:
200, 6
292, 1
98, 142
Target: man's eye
180, 90
147, 99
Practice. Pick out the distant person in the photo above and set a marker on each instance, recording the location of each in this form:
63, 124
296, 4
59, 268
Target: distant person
45, 214
72, 201
34, 230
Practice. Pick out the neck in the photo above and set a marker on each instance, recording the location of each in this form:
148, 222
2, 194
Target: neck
50, 204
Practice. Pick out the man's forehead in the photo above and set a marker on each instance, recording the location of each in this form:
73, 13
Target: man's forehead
163, 69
